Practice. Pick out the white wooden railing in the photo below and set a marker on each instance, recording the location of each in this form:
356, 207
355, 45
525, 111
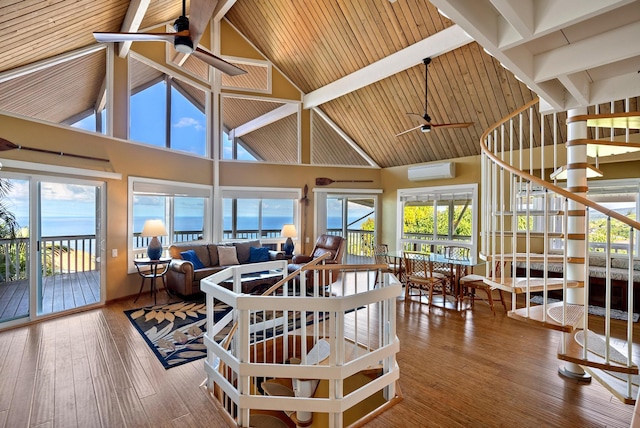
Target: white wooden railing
355, 315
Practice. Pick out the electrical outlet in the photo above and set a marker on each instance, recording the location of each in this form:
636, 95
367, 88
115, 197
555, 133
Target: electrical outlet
114, 252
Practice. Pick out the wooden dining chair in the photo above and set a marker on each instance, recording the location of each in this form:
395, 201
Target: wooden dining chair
422, 277
381, 255
472, 282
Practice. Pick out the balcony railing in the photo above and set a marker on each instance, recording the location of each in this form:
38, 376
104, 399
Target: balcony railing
59, 254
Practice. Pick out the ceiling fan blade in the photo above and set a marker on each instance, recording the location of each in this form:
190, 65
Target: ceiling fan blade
138, 37
409, 130
452, 125
217, 62
200, 12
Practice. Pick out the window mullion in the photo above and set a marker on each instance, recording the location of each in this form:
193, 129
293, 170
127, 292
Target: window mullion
167, 124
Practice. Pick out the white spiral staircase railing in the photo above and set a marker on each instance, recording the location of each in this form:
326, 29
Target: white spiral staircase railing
538, 233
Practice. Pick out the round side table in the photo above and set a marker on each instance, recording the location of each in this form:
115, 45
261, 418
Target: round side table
156, 269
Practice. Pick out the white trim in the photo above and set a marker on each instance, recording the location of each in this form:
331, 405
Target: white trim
67, 170
49, 62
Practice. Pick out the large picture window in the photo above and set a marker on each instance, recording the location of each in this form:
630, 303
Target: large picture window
432, 218
184, 209
258, 213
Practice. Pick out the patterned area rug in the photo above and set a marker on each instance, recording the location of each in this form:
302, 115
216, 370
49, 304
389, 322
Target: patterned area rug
174, 331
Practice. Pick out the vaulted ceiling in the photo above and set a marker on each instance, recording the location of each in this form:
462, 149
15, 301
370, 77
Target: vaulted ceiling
359, 62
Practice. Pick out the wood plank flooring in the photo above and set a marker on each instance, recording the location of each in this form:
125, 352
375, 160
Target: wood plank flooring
458, 369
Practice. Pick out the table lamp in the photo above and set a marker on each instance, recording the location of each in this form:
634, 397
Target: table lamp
154, 228
288, 231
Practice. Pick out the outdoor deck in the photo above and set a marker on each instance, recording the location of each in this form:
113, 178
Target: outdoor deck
60, 292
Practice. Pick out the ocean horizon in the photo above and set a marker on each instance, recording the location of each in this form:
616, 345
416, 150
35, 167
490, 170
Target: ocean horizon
83, 225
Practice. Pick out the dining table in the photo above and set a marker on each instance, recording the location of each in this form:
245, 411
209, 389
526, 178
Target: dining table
456, 266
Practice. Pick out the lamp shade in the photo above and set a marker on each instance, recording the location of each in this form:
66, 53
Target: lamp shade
154, 228
288, 231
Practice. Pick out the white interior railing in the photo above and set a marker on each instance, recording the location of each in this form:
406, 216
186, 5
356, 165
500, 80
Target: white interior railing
357, 319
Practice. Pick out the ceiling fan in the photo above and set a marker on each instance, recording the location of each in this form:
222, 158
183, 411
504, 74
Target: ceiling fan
428, 125
186, 37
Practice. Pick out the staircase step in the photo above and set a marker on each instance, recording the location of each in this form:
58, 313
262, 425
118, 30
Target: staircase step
623, 120
519, 285
533, 257
270, 419
601, 148
522, 233
537, 316
530, 212
618, 387
574, 353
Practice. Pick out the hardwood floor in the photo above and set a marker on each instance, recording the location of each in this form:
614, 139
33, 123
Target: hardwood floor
458, 369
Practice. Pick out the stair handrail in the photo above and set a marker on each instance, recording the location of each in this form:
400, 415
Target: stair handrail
547, 185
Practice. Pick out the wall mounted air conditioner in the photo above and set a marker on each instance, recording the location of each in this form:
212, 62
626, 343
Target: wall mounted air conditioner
432, 171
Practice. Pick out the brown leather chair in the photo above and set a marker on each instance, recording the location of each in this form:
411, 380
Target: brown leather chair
335, 245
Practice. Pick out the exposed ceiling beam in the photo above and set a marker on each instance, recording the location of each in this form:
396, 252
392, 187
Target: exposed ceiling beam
131, 23
222, 8
266, 119
615, 45
445, 41
49, 62
101, 99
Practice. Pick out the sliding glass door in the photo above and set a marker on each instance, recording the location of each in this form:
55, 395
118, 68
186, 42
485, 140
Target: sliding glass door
51, 260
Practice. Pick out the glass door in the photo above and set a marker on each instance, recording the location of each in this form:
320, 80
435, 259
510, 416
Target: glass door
69, 244
50, 246
15, 290
354, 218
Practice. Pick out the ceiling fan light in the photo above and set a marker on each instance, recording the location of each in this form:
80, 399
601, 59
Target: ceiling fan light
425, 128
183, 44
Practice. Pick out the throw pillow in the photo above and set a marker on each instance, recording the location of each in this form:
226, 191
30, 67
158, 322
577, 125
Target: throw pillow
191, 256
227, 255
258, 254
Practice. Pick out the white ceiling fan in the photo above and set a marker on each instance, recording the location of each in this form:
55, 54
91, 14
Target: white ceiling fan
186, 37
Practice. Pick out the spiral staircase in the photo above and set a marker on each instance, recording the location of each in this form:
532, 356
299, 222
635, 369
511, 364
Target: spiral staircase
529, 218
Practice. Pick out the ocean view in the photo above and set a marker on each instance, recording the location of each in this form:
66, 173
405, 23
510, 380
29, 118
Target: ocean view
65, 226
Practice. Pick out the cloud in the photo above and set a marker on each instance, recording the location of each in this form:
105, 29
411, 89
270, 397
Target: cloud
185, 122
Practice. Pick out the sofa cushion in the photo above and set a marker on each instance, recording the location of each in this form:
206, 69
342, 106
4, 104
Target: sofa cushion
227, 255
200, 249
191, 256
258, 254
213, 254
243, 250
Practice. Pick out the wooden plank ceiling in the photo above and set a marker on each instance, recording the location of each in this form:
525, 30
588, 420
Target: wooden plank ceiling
314, 43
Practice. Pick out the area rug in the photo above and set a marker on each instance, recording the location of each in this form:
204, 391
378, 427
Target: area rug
593, 310
175, 331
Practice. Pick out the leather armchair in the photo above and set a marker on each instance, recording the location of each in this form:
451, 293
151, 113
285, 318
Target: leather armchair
335, 245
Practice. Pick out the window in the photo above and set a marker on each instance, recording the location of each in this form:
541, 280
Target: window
258, 213
432, 218
184, 208
622, 196
166, 111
